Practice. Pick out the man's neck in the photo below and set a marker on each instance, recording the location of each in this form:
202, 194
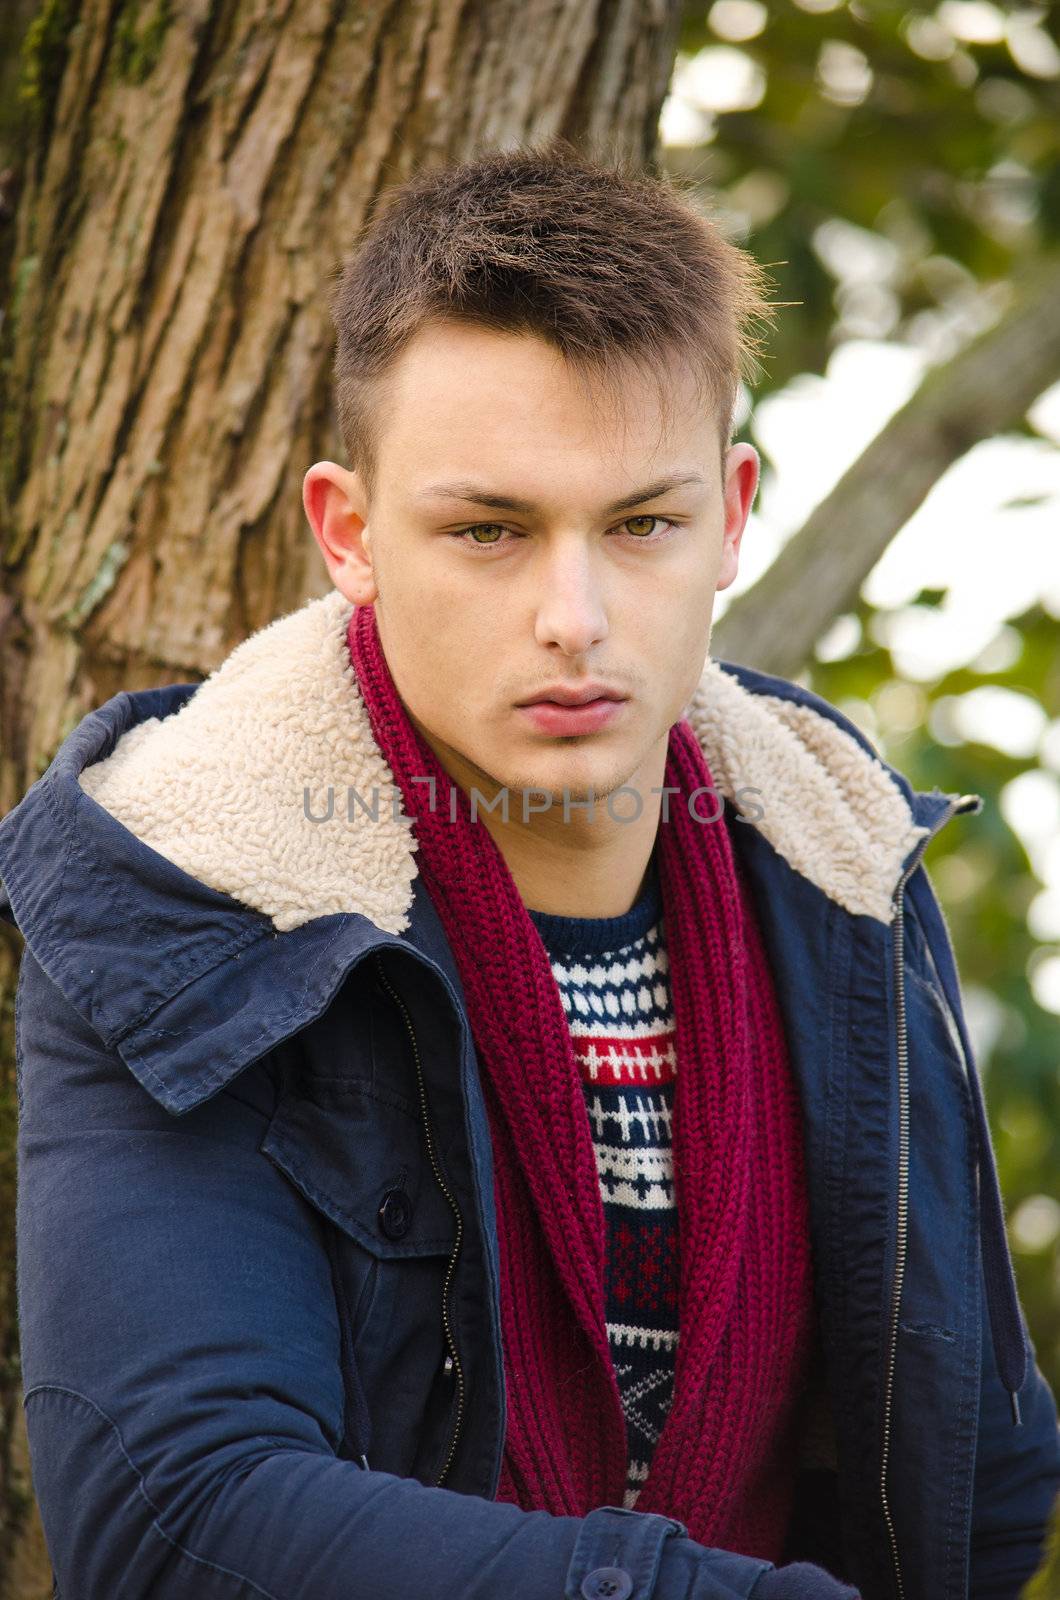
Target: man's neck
586, 874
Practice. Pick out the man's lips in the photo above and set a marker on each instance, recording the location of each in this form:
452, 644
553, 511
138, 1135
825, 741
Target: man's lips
550, 717
584, 694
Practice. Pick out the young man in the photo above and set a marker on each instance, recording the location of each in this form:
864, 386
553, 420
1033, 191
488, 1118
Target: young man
496, 1112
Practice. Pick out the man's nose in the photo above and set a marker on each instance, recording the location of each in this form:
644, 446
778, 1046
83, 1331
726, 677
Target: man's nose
571, 612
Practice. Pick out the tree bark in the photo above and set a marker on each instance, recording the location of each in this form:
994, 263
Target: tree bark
202, 166
984, 389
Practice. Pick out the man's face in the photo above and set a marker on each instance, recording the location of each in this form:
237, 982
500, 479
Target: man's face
560, 591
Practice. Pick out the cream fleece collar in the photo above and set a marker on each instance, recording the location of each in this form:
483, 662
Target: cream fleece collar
220, 787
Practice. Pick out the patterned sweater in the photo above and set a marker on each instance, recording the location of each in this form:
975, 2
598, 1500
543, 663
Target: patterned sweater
613, 976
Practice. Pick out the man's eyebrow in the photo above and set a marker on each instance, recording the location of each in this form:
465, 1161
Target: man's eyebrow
652, 491
477, 494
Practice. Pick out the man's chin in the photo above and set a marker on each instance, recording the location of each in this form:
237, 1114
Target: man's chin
576, 781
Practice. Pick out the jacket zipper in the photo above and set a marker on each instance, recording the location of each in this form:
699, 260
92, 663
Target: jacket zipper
452, 1360
964, 802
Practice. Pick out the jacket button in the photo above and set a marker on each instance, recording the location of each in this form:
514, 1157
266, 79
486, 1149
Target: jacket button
607, 1583
395, 1213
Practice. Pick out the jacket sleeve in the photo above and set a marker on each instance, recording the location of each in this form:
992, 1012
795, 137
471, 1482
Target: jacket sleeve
182, 1379
1017, 1469
1017, 1479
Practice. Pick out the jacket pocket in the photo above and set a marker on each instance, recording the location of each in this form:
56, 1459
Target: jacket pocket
357, 1153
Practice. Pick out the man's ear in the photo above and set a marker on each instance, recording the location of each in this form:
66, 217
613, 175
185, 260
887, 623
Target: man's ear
742, 468
337, 508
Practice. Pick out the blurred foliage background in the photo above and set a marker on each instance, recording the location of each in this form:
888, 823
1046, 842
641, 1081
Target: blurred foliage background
893, 164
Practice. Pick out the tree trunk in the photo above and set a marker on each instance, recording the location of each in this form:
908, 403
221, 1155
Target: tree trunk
201, 168
984, 389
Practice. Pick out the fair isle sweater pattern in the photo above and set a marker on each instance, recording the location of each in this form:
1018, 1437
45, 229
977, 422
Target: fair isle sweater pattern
613, 978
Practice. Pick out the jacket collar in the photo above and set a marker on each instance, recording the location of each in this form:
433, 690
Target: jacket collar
221, 787
169, 853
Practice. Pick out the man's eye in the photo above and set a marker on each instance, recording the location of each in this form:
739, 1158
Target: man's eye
640, 533
493, 528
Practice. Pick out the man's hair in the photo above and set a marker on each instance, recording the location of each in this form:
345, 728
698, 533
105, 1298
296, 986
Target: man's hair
610, 264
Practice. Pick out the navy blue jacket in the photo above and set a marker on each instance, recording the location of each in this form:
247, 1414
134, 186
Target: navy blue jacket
257, 1252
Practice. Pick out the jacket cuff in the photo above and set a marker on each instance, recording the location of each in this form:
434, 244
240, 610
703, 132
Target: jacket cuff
617, 1553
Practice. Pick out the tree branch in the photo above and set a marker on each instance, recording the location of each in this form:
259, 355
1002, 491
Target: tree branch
984, 389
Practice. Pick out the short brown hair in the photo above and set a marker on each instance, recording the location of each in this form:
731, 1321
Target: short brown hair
606, 262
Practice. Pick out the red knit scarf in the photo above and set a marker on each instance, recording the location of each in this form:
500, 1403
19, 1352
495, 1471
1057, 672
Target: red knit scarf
724, 1462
